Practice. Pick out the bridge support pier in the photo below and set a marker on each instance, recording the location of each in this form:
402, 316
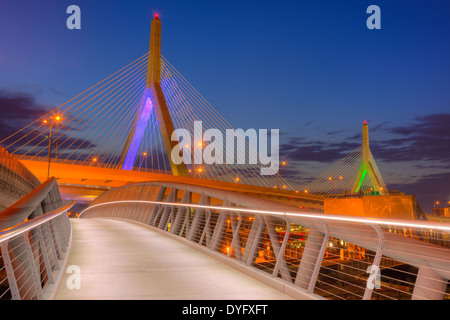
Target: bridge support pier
429, 285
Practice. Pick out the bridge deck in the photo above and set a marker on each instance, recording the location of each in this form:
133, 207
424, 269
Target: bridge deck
125, 260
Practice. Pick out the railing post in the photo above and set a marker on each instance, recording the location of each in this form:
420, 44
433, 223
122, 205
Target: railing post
56, 239
33, 267
235, 230
279, 253
220, 227
45, 256
197, 219
180, 213
429, 285
167, 210
375, 268
46, 227
12, 281
316, 270
155, 209
253, 240
311, 258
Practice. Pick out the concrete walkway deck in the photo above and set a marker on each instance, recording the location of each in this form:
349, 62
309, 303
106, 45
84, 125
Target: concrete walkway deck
125, 260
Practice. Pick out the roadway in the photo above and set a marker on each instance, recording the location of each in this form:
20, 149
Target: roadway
120, 259
85, 183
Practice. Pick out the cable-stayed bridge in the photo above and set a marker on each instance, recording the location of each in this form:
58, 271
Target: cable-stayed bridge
112, 147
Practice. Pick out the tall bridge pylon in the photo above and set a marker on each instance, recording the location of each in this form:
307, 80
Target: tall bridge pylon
357, 173
152, 101
368, 167
125, 122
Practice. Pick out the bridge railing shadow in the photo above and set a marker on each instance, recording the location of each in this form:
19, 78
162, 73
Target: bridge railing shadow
306, 255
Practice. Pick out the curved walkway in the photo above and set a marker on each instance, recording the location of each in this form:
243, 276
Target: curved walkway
119, 259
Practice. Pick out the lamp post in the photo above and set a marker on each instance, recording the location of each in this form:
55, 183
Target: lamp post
55, 120
200, 145
278, 174
335, 181
434, 207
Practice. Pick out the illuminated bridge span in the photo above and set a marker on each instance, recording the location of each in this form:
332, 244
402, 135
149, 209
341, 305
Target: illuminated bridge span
111, 147
119, 131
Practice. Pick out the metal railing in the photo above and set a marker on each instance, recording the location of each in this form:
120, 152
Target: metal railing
306, 255
34, 241
32, 256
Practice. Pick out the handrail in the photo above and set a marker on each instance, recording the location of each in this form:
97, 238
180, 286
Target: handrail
9, 233
25, 207
34, 242
351, 244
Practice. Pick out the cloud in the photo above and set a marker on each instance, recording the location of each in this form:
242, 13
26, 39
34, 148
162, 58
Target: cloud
300, 149
426, 139
19, 109
16, 105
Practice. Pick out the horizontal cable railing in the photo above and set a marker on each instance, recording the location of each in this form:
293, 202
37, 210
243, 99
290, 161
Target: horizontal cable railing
307, 255
32, 255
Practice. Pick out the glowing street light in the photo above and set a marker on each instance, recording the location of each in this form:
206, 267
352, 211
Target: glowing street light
335, 180
56, 120
283, 163
200, 145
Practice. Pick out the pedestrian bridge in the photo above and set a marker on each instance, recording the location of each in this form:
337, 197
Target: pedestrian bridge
165, 240
126, 260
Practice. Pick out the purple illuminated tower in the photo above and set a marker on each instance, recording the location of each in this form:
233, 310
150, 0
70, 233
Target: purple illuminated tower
153, 100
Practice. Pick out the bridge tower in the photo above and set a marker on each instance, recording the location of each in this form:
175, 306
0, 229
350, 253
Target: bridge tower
369, 167
152, 101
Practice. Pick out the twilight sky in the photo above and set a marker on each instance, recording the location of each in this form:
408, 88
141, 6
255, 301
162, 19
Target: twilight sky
309, 68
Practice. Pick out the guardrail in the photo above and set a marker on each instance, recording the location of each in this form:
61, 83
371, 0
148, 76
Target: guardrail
34, 241
33, 255
11, 162
306, 255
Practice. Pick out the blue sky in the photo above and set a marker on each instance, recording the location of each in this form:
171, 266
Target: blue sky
310, 68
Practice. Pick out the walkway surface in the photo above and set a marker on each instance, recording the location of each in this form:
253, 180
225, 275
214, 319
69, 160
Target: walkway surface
124, 260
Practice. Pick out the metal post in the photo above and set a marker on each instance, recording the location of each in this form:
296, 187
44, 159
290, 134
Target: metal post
279, 252
12, 281
376, 261
49, 149
33, 267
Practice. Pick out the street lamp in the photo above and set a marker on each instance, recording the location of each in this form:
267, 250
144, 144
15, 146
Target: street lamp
56, 119
200, 145
278, 174
434, 207
144, 154
335, 180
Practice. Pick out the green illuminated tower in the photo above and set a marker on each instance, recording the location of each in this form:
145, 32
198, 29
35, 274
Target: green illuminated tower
369, 167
